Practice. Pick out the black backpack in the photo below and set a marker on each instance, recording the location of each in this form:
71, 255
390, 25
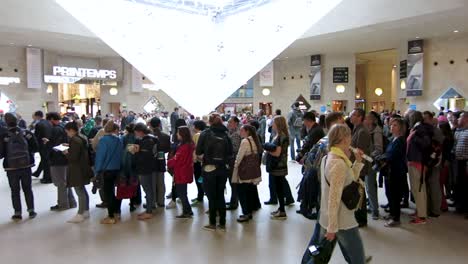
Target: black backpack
18, 156
217, 149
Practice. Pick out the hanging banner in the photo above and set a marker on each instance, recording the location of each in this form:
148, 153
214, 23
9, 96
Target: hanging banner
415, 68
315, 75
34, 68
266, 76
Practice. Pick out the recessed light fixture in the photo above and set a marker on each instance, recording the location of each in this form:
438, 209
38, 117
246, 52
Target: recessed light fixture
12, 43
456, 31
418, 37
394, 66
29, 45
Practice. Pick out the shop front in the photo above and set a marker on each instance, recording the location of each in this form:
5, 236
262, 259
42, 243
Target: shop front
79, 87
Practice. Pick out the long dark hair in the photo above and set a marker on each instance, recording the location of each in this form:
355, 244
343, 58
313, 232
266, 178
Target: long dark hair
446, 130
252, 132
184, 133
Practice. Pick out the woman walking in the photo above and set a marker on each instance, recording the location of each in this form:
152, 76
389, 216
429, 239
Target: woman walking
247, 189
182, 165
336, 220
79, 170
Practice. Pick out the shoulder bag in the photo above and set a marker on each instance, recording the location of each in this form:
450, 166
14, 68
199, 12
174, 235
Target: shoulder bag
352, 194
249, 167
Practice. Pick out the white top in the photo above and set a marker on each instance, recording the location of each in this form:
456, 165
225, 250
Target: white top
334, 215
244, 150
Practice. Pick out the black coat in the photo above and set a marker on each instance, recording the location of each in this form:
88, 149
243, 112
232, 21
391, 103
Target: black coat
43, 129
145, 161
58, 137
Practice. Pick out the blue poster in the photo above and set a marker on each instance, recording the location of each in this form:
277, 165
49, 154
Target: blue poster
323, 109
412, 107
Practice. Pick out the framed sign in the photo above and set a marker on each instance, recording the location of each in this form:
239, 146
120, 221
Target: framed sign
340, 74
414, 84
403, 69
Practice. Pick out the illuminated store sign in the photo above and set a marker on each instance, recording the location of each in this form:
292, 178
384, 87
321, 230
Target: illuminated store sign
84, 72
9, 80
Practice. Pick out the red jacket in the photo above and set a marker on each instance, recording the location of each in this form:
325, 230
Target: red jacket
182, 164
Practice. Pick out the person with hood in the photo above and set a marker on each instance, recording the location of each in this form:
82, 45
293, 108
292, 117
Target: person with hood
295, 124
15, 141
215, 146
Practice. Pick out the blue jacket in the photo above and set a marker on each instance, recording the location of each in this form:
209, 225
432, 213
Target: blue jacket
396, 157
109, 154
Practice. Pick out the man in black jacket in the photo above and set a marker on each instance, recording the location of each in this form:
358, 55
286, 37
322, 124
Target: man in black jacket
163, 148
216, 148
59, 165
24, 154
313, 133
42, 130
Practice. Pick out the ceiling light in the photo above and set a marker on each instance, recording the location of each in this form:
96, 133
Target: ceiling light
49, 90
456, 31
418, 37
340, 88
113, 91
266, 91
214, 36
29, 45
378, 91
12, 43
394, 66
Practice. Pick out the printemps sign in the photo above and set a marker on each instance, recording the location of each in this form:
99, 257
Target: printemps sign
84, 73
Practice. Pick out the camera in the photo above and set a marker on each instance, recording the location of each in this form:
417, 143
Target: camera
380, 162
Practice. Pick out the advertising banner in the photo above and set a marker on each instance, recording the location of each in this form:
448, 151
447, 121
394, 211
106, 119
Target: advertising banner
340, 74
415, 68
266, 76
315, 75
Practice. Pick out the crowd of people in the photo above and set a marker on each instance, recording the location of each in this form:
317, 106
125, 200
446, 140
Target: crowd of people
419, 156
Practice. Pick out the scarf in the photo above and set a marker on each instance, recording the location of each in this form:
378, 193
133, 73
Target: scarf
340, 153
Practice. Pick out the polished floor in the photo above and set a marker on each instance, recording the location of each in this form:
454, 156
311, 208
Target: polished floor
164, 239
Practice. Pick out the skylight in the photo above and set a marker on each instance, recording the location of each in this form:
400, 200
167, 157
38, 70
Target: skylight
199, 59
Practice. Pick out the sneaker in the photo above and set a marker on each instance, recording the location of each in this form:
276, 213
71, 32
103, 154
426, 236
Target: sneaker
86, 214
221, 228
418, 221
279, 216
270, 202
171, 205
32, 215
184, 216
244, 218
274, 212
16, 217
145, 216
57, 208
101, 205
76, 219
210, 227
392, 223
108, 221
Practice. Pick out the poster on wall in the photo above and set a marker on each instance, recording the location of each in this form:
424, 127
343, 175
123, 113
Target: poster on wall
315, 75
266, 76
415, 72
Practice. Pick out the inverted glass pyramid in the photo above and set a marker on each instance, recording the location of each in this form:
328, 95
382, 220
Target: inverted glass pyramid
198, 52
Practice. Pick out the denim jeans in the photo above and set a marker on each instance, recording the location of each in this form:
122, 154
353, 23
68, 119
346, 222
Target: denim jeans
83, 199
181, 190
371, 186
65, 197
274, 194
18, 179
350, 243
148, 182
294, 134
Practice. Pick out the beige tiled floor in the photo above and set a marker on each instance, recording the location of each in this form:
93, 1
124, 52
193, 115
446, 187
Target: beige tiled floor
49, 239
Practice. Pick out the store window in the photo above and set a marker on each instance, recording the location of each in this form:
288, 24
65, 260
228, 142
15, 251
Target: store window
246, 91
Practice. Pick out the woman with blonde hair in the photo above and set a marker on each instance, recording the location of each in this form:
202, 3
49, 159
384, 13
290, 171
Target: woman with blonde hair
337, 221
277, 164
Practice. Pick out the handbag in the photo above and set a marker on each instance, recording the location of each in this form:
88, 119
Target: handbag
249, 167
126, 189
322, 253
352, 194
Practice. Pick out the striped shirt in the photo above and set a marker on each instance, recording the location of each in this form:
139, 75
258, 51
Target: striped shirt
461, 144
